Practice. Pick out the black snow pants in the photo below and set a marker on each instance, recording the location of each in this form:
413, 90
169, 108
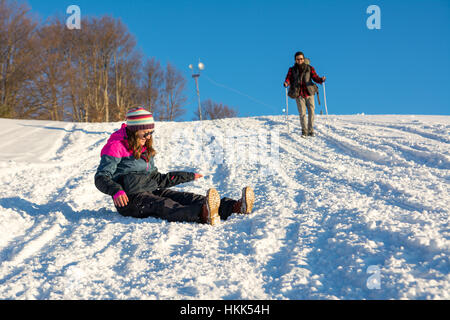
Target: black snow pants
171, 205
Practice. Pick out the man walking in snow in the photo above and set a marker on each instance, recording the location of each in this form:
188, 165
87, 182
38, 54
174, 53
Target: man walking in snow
302, 89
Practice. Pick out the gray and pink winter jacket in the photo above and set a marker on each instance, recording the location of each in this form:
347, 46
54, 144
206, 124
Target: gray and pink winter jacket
119, 172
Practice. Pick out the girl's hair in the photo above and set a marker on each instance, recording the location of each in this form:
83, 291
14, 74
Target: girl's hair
135, 146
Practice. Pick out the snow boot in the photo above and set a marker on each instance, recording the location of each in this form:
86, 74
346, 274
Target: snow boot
245, 204
210, 210
304, 134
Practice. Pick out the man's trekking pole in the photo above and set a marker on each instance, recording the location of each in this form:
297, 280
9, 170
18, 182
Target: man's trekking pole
287, 109
325, 101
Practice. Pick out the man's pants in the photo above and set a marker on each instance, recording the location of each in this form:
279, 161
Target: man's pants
302, 105
172, 205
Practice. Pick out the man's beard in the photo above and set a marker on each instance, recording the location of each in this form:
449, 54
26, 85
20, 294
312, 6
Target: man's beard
301, 67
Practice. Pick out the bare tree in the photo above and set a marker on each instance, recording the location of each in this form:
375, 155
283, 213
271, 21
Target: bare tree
87, 75
126, 85
79, 70
75, 89
173, 98
102, 42
153, 79
51, 81
98, 60
17, 52
212, 110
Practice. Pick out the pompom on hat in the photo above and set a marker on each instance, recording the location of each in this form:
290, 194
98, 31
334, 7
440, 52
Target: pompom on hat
139, 119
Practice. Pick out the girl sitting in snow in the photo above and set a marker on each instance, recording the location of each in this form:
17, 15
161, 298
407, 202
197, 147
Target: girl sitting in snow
127, 173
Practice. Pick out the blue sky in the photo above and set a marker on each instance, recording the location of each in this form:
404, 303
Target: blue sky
247, 47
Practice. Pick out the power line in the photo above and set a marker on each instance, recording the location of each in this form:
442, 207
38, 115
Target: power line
275, 109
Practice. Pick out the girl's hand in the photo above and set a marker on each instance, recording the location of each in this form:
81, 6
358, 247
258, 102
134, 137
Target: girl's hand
121, 201
197, 176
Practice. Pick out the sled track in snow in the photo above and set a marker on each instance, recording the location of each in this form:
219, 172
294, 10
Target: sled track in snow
366, 191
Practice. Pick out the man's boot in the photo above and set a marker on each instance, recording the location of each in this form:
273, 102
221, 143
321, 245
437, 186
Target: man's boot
304, 134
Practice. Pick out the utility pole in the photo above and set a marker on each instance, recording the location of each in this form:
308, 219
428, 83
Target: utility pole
200, 67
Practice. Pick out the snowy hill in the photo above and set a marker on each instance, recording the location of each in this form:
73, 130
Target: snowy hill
359, 212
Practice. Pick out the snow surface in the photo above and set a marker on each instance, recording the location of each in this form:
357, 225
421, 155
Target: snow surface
359, 212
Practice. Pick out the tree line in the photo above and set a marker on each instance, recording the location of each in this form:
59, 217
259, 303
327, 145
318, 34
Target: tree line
94, 74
